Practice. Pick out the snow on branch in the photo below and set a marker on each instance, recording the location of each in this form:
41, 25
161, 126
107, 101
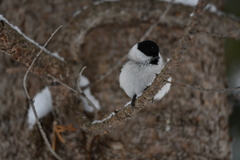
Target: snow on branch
14, 43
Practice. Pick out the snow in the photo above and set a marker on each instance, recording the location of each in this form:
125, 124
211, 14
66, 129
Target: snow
128, 103
168, 127
94, 3
43, 105
85, 7
212, 8
184, 2
164, 90
84, 82
77, 13
56, 55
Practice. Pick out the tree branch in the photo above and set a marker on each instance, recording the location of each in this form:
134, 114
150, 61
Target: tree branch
20, 49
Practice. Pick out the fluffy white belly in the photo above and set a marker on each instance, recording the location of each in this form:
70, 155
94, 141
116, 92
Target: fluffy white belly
135, 77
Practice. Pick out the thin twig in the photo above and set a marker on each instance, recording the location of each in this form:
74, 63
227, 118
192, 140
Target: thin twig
15, 70
31, 102
54, 137
204, 89
80, 91
6, 52
103, 76
65, 85
84, 95
120, 62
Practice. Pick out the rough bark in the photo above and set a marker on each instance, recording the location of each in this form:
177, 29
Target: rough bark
186, 124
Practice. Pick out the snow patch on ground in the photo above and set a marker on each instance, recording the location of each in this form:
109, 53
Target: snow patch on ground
43, 105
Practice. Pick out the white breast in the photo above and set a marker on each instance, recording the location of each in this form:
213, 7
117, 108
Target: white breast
135, 77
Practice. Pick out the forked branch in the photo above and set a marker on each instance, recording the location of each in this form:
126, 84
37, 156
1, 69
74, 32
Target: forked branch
31, 102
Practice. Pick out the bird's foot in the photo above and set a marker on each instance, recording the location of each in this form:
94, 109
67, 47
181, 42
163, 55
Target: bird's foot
133, 101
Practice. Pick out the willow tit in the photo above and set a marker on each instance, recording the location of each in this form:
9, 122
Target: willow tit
144, 62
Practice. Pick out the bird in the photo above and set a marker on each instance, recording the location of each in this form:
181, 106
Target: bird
144, 61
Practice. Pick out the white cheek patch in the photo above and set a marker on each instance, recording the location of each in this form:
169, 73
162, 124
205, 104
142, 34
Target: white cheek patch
136, 55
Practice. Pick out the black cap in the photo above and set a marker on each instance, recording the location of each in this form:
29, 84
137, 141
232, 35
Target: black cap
149, 48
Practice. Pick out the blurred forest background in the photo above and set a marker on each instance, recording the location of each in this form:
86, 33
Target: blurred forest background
185, 124
232, 57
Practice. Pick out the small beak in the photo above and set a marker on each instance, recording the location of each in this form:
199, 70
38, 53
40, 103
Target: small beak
154, 60
157, 57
